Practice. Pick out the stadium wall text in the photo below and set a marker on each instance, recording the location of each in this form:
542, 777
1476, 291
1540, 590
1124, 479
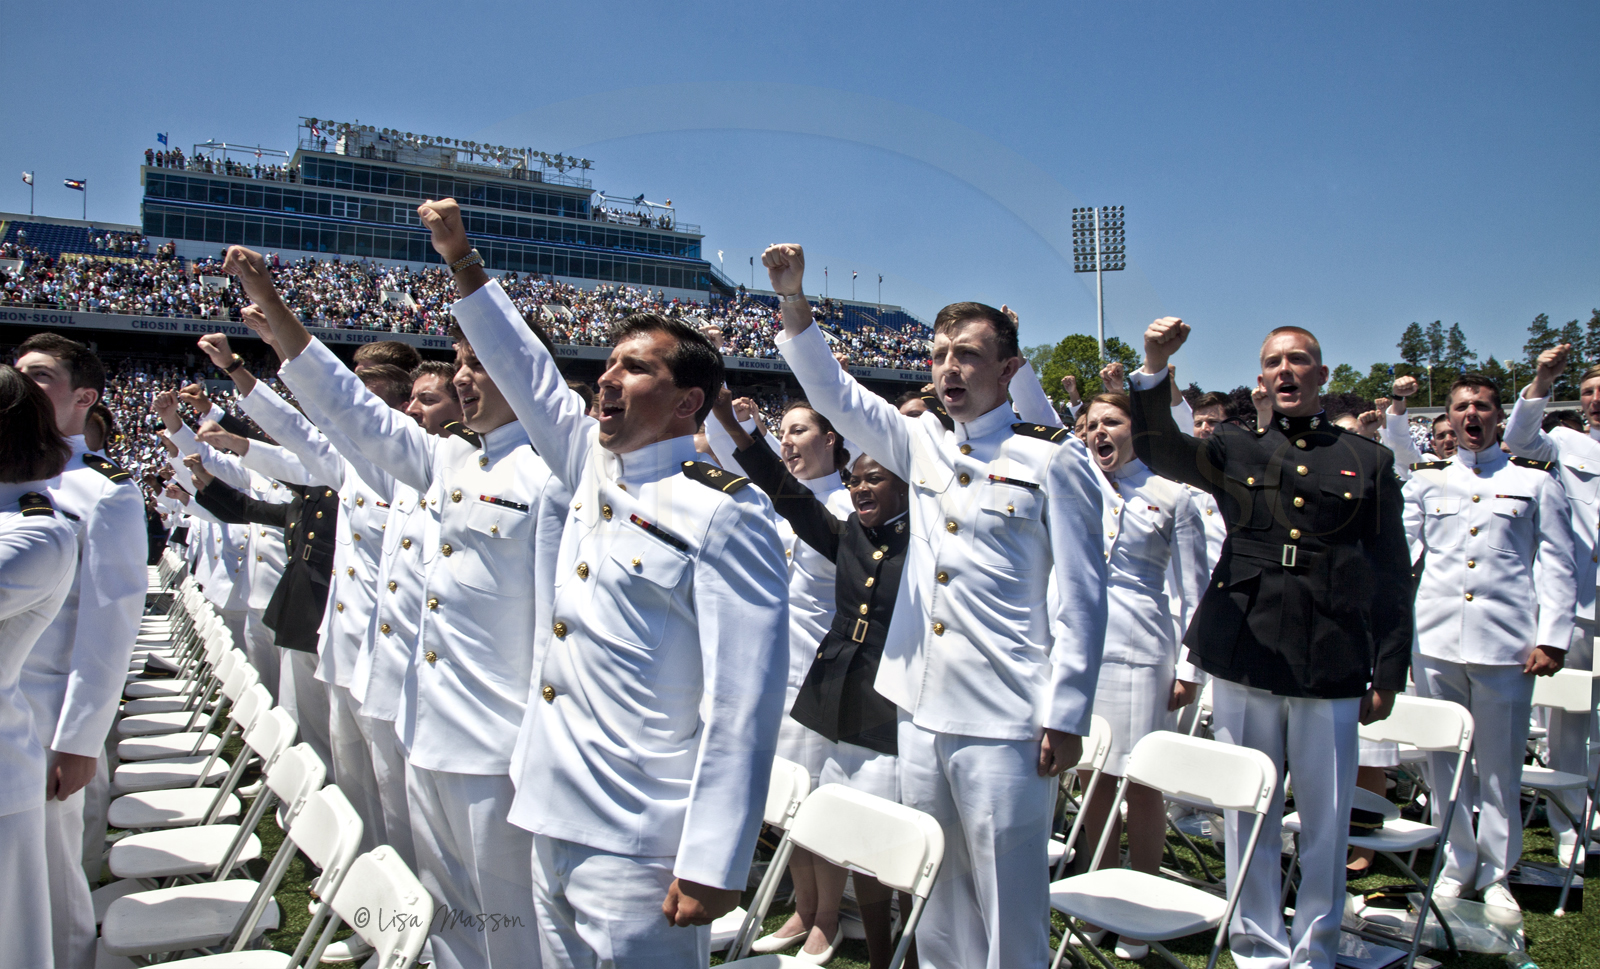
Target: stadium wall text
45, 319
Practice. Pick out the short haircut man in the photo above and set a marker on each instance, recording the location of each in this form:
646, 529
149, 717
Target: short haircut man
957, 315
390, 352
1313, 345
445, 372
81, 362
693, 361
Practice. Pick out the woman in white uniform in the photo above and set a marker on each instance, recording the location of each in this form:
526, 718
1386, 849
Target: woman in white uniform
38, 557
1156, 551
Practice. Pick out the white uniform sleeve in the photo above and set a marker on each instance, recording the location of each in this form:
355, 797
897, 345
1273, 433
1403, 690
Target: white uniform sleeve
111, 587
1525, 435
1030, 400
1396, 436
291, 430
1189, 575
865, 418
228, 467
551, 412
741, 598
1556, 575
385, 436
373, 476
275, 461
1183, 416
1074, 508
33, 558
721, 441
1413, 494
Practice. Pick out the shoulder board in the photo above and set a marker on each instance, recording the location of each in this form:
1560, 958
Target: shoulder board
1430, 465
1536, 465
33, 504
460, 430
933, 404
713, 477
1055, 435
106, 467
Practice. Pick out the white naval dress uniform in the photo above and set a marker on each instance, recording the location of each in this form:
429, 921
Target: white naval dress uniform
1577, 457
1155, 542
466, 686
364, 493
970, 654
1499, 550
661, 677
38, 558
75, 673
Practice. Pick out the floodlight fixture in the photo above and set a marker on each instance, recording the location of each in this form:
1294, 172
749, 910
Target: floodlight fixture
1099, 245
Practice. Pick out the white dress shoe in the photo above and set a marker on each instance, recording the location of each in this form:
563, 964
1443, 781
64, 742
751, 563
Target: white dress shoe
826, 955
1132, 953
1499, 896
777, 943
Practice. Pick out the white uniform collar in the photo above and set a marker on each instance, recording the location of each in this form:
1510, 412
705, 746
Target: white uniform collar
1001, 416
502, 440
1133, 467
1488, 459
649, 463
1594, 432
79, 447
824, 486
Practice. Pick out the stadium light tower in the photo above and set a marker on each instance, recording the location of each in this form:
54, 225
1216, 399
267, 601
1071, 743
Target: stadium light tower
1099, 246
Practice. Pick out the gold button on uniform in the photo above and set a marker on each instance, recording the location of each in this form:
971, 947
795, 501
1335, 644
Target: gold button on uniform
1469, 597
964, 478
393, 585
1473, 530
494, 529
433, 603
951, 527
338, 607
350, 570
328, 493
360, 501
446, 549
1471, 564
1347, 494
311, 535
384, 629
871, 581
1294, 533
966, 449
1300, 443
431, 657
938, 629
583, 570
1249, 481
943, 577
1474, 499
560, 630
1219, 585
637, 561
405, 543
1299, 502
355, 536
483, 460
549, 693
319, 514
877, 555
605, 512
863, 608
455, 495
1303, 469
258, 558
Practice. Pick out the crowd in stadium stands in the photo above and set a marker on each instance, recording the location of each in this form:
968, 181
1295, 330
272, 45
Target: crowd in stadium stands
601, 213
211, 166
119, 243
362, 295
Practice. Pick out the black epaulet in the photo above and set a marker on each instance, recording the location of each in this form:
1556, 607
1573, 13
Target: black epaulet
460, 430
1430, 465
33, 504
932, 402
1055, 435
1535, 465
107, 467
713, 477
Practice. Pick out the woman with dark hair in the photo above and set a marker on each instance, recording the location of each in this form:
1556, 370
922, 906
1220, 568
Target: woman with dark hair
1155, 553
38, 558
836, 698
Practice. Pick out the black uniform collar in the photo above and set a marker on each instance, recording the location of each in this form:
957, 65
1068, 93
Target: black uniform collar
1292, 426
893, 534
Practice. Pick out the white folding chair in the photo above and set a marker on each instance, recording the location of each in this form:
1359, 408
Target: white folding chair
232, 912
1435, 726
1096, 749
219, 648
899, 846
236, 685
218, 849
1569, 691
788, 787
190, 770
141, 718
1152, 907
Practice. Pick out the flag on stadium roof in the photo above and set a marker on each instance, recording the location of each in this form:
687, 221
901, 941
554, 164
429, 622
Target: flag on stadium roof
27, 178
73, 183
161, 136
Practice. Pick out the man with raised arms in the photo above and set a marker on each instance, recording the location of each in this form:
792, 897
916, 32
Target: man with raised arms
994, 706
643, 763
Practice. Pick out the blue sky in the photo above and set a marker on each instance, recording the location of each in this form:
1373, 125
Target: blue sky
1348, 167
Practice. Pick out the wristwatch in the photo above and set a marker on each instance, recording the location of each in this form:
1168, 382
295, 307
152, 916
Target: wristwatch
470, 259
238, 362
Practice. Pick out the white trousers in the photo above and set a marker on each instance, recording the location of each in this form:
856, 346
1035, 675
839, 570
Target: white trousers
96, 803
1316, 739
25, 922
306, 700
234, 620
990, 905
389, 772
477, 867
598, 910
1500, 699
352, 764
71, 909
262, 651
1570, 734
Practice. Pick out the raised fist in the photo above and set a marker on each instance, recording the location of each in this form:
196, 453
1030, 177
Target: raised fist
1404, 387
744, 409
1069, 384
1161, 340
1553, 362
166, 442
195, 396
786, 268
443, 219
1010, 313
256, 319
197, 470
166, 405
177, 494
216, 347
252, 272
713, 332
211, 433
1111, 376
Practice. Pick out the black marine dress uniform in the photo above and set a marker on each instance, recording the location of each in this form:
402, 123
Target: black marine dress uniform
1309, 606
